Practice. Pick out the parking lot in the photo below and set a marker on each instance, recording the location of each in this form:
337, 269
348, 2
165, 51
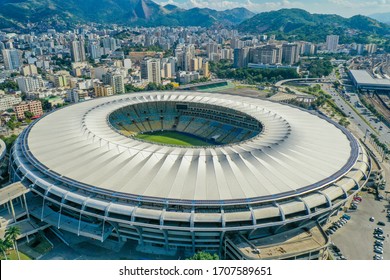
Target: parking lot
355, 239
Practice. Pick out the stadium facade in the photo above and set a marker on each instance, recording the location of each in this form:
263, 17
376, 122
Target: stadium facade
269, 169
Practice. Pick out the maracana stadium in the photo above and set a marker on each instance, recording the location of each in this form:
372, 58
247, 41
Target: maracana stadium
187, 171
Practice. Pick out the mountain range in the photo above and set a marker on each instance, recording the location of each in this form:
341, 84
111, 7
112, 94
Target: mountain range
285, 23
302, 25
17, 13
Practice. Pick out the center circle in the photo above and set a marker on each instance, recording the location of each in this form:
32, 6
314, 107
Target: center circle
183, 123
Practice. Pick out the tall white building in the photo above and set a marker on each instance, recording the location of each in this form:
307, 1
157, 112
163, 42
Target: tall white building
118, 86
332, 42
95, 51
127, 64
189, 54
77, 51
31, 83
151, 70
12, 59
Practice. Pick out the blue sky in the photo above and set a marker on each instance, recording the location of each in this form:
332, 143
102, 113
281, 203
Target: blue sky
345, 8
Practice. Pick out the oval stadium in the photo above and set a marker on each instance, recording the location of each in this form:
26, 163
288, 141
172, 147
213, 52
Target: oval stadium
180, 172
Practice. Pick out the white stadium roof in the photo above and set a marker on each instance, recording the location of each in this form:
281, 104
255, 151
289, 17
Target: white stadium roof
296, 152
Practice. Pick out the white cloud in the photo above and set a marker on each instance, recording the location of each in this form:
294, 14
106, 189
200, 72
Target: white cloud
342, 7
230, 4
362, 4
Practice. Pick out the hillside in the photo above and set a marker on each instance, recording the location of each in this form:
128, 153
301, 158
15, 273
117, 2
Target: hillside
300, 24
18, 13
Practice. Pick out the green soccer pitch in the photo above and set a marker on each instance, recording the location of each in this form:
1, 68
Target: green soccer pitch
172, 138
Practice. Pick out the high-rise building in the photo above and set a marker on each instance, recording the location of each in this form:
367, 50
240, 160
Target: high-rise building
117, 83
127, 64
236, 43
61, 81
211, 49
109, 43
150, 70
332, 42
12, 59
31, 83
241, 58
227, 54
196, 64
269, 54
290, 53
308, 48
205, 69
189, 54
172, 61
77, 51
95, 50
29, 70
168, 70
102, 90
371, 48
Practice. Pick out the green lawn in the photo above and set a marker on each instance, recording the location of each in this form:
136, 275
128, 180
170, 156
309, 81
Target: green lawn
12, 255
171, 138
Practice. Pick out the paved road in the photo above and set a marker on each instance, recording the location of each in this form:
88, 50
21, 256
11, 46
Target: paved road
384, 132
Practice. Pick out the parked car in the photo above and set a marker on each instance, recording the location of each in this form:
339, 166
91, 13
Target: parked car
378, 242
378, 251
380, 237
348, 217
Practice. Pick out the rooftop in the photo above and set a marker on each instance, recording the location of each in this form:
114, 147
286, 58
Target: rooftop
283, 245
363, 77
296, 152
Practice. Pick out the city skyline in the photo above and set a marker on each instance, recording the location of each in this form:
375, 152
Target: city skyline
344, 8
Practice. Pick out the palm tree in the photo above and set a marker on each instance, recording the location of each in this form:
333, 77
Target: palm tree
11, 234
4, 246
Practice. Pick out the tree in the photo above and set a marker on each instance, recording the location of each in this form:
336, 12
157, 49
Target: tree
9, 141
152, 86
9, 85
11, 234
132, 88
28, 115
4, 246
201, 255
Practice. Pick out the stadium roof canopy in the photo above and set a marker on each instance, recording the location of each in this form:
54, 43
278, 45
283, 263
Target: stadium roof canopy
295, 153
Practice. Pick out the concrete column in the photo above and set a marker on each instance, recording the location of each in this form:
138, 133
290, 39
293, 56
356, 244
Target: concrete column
13, 210
43, 207
25, 205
